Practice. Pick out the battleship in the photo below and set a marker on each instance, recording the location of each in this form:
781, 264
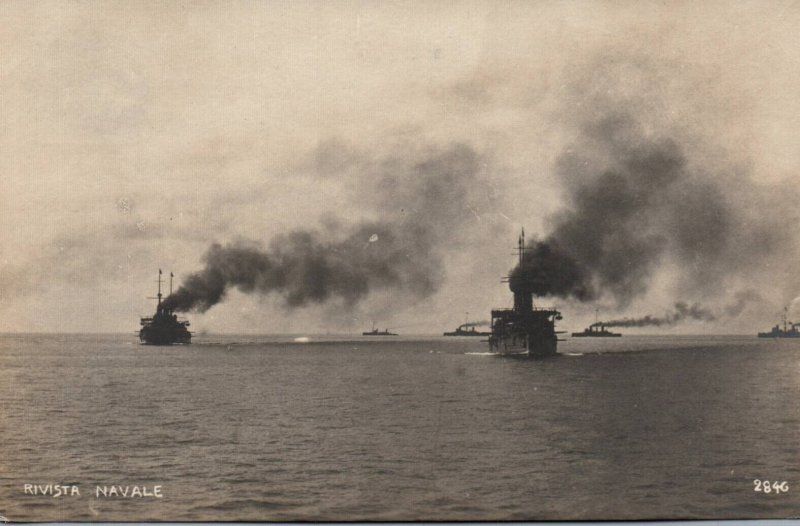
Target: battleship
467, 329
788, 329
525, 329
596, 330
376, 332
164, 327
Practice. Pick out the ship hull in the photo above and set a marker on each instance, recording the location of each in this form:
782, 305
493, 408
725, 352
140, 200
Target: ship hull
164, 331
529, 332
778, 335
524, 347
163, 338
581, 335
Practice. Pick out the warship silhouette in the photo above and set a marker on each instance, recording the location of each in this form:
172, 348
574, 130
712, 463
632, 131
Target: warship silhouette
789, 329
596, 330
164, 327
526, 329
467, 329
376, 332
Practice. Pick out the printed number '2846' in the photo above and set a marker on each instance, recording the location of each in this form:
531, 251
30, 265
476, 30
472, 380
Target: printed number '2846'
766, 486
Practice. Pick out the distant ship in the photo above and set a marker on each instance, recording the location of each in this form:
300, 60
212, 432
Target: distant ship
467, 330
376, 332
164, 327
524, 330
596, 330
789, 329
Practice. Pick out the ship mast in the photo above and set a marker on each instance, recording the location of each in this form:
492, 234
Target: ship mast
159, 289
159, 295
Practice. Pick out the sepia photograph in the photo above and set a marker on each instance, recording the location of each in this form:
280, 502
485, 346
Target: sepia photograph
452, 260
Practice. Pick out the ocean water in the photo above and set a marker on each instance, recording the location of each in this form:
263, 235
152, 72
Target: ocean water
245, 428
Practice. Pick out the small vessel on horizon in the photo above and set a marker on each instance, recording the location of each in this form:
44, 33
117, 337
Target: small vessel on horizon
164, 327
467, 329
596, 330
789, 330
376, 332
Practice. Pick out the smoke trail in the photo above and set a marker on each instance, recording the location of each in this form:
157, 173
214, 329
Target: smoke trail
422, 203
741, 300
683, 312
793, 304
634, 201
477, 323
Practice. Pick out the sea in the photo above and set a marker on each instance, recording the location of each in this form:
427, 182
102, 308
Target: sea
324, 428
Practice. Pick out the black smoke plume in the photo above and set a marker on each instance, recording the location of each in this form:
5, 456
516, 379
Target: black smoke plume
477, 323
635, 200
420, 203
683, 312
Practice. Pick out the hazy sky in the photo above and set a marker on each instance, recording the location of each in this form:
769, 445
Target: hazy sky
136, 134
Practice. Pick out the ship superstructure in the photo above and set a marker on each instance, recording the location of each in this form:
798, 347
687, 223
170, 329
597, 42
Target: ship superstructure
164, 327
524, 329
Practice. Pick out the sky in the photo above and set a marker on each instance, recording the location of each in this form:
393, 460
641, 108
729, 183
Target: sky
138, 135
